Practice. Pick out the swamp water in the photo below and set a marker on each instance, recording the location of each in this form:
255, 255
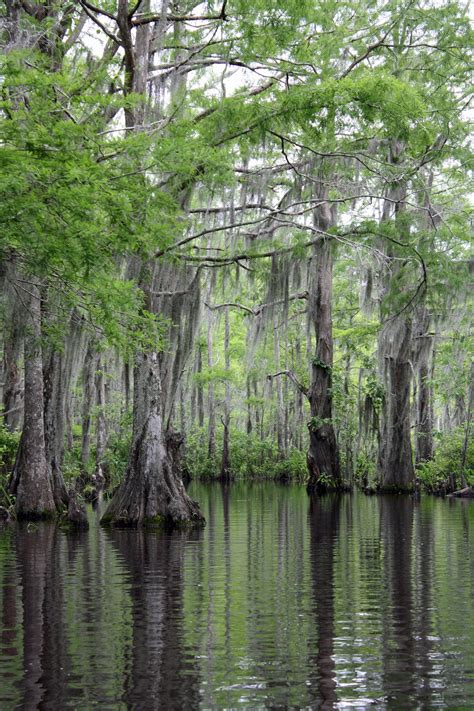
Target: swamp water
344, 602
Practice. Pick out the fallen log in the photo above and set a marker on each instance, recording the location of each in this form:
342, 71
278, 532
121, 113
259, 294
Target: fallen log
466, 493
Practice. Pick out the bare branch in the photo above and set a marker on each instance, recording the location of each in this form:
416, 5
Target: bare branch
291, 376
230, 303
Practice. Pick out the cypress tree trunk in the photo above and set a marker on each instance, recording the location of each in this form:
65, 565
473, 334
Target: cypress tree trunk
200, 391
101, 425
12, 387
248, 426
323, 455
152, 493
210, 395
280, 419
126, 385
54, 422
424, 404
87, 395
395, 461
395, 470
225, 463
32, 482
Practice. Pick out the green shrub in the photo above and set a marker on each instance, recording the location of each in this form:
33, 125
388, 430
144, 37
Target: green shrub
444, 470
118, 449
366, 468
72, 465
250, 456
8, 447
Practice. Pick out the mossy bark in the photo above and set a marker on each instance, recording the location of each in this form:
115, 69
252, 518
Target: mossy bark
323, 454
396, 472
32, 480
152, 493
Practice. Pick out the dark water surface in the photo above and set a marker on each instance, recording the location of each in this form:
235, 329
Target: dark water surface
347, 602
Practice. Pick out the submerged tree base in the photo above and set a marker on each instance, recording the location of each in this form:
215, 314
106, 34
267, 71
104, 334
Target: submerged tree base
158, 522
36, 515
319, 488
152, 494
395, 489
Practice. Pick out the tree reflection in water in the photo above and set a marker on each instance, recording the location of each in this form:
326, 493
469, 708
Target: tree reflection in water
324, 514
162, 673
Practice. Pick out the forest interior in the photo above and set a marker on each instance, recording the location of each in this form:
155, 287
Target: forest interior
235, 258
235, 243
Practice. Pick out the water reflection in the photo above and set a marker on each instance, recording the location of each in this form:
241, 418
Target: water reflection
160, 670
281, 602
324, 527
396, 526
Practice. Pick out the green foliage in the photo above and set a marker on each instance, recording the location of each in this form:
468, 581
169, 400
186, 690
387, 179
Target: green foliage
118, 449
365, 470
8, 447
72, 465
251, 458
445, 469
316, 361
315, 423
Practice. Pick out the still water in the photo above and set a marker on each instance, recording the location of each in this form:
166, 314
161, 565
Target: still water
345, 602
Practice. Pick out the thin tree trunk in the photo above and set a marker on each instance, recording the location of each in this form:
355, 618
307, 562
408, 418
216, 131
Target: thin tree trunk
424, 411
54, 421
126, 385
12, 387
467, 427
225, 463
87, 395
280, 425
200, 390
210, 394
249, 426
101, 424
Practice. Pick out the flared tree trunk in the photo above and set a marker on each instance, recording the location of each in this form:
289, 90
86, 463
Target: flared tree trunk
323, 455
152, 493
32, 481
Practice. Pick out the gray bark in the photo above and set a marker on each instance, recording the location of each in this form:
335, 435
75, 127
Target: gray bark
395, 469
211, 407
225, 463
88, 374
395, 461
323, 454
32, 482
101, 424
152, 492
12, 378
424, 352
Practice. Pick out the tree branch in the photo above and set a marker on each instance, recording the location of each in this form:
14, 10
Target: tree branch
291, 376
